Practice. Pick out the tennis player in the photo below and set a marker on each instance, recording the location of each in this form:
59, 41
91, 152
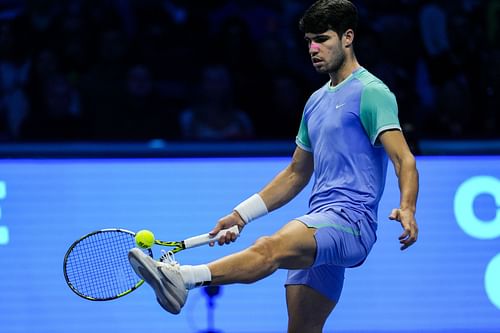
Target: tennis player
349, 130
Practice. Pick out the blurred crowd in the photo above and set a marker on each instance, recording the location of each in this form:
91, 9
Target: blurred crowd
132, 70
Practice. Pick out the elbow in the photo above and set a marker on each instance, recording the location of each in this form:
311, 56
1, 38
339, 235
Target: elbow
409, 161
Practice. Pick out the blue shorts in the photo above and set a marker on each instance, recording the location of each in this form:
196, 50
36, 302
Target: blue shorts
343, 240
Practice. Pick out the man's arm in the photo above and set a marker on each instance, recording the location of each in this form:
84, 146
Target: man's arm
289, 182
280, 190
405, 166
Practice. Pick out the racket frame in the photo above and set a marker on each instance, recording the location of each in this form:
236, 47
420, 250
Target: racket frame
78, 241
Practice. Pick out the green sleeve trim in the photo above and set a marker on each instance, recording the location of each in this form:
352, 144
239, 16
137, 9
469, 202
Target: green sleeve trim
302, 139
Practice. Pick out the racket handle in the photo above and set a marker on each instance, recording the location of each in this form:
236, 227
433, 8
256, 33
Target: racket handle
205, 238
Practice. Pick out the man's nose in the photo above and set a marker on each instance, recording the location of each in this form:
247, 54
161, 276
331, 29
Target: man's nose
313, 48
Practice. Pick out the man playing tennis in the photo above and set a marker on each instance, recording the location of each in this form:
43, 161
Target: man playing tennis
349, 127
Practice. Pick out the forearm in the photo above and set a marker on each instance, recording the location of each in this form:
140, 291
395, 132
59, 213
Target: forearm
406, 170
408, 183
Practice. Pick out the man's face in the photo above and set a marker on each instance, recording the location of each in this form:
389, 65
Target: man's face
326, 51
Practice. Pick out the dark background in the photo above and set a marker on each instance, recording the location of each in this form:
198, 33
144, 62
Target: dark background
135, 70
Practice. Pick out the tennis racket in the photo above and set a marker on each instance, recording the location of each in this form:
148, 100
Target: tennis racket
96, 266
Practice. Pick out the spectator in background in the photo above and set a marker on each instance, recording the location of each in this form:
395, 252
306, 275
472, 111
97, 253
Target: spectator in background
213, 115
394, 59
144, 115
491, 68
163, 42
57, 118
71, 40
493, 23
433, 23
449, 85
261, 16
41, 18
491, 72
45, 65
103, 85
94, 43
270, 63
284, 92
14, 71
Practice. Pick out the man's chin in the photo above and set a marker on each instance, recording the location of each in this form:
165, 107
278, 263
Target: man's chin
321, 70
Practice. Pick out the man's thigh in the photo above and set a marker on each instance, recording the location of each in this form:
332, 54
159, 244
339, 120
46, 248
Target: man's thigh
295, 245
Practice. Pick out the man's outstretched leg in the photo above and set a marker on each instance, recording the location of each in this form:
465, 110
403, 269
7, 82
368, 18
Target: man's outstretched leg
292, 247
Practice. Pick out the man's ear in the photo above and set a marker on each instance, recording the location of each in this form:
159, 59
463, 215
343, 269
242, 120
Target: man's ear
348, 38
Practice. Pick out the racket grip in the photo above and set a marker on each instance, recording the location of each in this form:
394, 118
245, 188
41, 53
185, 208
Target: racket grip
205, 238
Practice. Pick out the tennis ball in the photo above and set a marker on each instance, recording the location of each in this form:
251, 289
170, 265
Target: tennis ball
144, 239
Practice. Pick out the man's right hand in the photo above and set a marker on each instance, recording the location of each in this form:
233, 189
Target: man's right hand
225, 223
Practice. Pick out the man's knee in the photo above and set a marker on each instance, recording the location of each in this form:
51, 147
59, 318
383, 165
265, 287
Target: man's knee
267, 247
292, 247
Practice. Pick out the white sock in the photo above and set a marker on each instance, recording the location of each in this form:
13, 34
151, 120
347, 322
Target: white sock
195, 276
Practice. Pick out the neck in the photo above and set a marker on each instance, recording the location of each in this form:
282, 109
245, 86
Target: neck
349, 66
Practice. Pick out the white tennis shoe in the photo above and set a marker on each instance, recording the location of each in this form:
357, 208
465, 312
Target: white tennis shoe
163, 276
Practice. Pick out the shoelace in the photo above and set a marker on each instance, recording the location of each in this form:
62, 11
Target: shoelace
167, 257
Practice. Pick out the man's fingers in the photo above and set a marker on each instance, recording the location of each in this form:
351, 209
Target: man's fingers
394, 214
407, 243
404, 235
410, 229
214, 232
227, 238
408, 238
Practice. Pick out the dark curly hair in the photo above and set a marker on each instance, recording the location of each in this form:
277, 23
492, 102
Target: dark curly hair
323, 15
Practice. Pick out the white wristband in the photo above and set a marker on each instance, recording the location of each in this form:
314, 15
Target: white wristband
252, 208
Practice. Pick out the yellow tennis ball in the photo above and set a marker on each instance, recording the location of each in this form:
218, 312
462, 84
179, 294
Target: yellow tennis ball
144, 239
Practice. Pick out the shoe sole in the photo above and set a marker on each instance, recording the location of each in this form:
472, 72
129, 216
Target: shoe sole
147, 270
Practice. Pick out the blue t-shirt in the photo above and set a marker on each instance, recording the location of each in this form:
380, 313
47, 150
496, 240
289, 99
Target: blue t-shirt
340, 127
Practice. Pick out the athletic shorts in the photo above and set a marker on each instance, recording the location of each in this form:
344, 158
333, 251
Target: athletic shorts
343, 240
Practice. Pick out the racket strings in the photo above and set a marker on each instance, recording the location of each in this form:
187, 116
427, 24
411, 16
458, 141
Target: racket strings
98, 267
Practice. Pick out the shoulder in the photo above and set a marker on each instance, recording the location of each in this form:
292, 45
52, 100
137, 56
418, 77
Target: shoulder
371, 83
374, 90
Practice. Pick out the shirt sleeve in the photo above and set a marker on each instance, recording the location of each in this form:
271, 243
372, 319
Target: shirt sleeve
379, 111
302, 138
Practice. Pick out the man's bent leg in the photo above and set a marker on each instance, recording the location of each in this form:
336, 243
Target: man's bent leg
307, 309
292, 247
